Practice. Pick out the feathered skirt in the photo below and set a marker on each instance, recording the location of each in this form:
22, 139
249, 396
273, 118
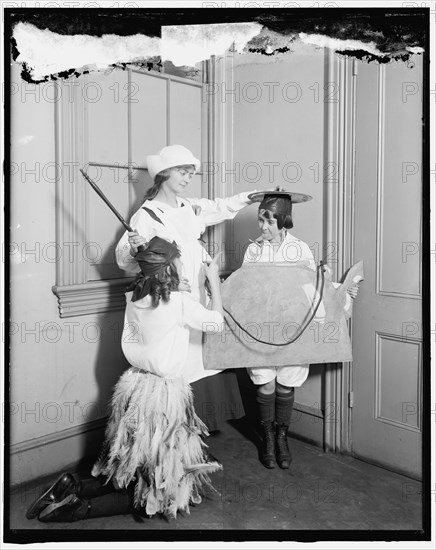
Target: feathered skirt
153, 439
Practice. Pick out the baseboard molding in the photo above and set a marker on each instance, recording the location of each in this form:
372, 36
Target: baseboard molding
44, 455
307, 424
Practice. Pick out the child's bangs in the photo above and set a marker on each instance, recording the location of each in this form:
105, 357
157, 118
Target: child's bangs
267, 214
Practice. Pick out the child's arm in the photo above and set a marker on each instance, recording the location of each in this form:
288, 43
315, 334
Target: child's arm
212, 275
197, 316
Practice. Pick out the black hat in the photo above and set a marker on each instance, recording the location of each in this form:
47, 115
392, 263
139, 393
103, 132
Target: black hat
158, 255
293, 197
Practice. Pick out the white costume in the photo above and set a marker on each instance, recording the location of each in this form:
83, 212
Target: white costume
184, 227
290, 250
157, 339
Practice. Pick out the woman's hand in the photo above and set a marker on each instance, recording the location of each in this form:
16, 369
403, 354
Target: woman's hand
135, 240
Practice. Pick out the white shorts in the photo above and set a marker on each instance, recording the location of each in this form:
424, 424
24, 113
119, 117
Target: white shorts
292, 376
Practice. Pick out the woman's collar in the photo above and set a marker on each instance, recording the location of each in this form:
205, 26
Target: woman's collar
158, 204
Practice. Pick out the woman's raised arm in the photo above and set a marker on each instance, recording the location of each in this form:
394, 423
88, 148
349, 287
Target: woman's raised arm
217, 210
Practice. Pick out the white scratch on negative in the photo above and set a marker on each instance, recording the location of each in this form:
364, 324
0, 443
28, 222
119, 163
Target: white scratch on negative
323, 41
190, 44
46, 52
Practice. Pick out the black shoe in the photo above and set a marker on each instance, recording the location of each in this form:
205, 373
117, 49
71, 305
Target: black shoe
267, 455
63, 486
71, 508
284, 457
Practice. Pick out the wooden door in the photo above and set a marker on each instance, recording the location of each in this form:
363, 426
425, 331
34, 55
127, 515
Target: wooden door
387, 328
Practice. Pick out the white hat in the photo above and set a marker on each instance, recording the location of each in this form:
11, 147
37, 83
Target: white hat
168, 157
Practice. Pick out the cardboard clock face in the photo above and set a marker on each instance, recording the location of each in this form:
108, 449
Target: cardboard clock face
281, 314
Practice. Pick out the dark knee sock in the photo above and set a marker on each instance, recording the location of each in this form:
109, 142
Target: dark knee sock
113, 504
266, 402
284, 405
94, 487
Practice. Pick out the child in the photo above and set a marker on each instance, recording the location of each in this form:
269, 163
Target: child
153, 451
275, 385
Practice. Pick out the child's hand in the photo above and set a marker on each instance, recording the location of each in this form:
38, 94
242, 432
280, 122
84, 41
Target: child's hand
135, 240
211, 269
353, 290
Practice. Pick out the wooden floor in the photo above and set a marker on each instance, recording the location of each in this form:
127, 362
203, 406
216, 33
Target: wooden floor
321, 492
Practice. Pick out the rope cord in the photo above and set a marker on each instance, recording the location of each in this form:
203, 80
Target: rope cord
319, 268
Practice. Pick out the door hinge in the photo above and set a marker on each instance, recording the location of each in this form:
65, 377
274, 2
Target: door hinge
351, 399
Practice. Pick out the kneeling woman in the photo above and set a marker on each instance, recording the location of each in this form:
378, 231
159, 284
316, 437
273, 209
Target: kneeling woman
153, 451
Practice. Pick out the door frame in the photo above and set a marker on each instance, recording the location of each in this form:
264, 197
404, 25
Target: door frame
338, 224
218, 77
339, 181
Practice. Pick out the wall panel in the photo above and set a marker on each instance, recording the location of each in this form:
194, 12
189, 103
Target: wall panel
148, 116
106, 104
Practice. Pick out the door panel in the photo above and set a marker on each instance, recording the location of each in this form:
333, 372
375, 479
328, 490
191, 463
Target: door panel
395, 396
386, 425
